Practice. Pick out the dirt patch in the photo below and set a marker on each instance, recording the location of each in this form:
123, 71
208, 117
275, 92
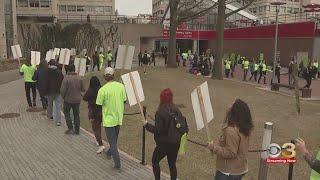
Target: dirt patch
10, 64
9, 115
35, 109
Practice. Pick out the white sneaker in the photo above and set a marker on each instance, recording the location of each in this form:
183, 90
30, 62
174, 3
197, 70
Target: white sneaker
101, 149
96, 142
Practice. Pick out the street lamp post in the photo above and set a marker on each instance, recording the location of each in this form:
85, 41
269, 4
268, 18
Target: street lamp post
277, 4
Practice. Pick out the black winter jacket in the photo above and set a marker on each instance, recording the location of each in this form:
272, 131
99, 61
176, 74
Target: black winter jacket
55, 78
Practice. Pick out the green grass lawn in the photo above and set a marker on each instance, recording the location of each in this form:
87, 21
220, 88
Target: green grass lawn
198, 163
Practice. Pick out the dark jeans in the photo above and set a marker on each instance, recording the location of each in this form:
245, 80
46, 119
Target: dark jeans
96, 128
227, 71
109, 63
245, 73
262, 74
94, 66
254, 74
112, 136
221, 176
33, 87
76, 117
44, 100
162, 150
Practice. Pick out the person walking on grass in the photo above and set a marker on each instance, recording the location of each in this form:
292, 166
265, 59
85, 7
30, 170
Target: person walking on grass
71, 89
112, 97
167, 135
94, 111
41, 77
28, 70
55, 78
232, 147
145, 61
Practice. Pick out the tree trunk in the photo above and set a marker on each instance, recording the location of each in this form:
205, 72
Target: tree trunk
218, 69
172, 49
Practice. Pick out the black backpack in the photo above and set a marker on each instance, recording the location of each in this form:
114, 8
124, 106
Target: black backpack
177, 127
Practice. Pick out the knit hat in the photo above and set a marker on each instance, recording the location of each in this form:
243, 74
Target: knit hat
166, 96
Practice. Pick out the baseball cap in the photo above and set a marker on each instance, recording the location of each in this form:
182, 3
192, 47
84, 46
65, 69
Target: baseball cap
108, 71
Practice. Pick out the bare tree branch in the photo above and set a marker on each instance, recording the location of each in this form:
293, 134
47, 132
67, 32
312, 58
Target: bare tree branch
196, 15
241, 8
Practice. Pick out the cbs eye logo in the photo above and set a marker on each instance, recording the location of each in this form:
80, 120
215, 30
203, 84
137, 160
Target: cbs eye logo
287, 150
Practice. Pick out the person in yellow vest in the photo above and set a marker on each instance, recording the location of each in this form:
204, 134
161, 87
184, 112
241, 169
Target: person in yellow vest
263, 72
27, 71
245, 66
109, 58
227, 65
254, 72
101, 59
185, 56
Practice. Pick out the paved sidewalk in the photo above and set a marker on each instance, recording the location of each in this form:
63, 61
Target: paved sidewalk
32, 147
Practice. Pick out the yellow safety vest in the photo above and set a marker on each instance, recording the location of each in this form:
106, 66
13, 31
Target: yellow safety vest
245, 64
228, 64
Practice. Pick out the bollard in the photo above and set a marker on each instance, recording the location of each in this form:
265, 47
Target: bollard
143, 154
263, 169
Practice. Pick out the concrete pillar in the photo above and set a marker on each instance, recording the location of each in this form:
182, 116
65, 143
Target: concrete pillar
3, 44
195, 46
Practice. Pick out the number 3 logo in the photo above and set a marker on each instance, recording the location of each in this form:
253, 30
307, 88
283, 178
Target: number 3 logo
288, 150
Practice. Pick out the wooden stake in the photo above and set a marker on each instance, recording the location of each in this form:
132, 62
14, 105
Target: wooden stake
15, 47
203, 113
137, 98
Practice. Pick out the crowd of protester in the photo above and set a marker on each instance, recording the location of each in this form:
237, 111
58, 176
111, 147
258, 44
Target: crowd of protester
65, 91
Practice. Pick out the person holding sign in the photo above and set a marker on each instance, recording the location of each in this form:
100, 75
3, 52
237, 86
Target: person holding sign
308, 156
101, 59
232, 147
28, 70
112, 97
95, 112
71, 89
168, 130
41, 76
109, 58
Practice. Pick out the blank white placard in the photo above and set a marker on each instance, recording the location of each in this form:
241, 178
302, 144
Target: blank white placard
204, 90
80, 65
35, 58
129, 87
124, 57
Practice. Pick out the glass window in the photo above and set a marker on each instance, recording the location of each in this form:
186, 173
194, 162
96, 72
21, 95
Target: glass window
45, 3
296, 10
80, 8
63, 8
254, 10
261, 9
268, 8
107, 9
289, 10
34, 3
99, 9
71, 8
22, 3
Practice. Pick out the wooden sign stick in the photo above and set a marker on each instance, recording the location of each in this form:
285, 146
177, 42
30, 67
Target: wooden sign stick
15, 47
137, 98
203, 113
64, 60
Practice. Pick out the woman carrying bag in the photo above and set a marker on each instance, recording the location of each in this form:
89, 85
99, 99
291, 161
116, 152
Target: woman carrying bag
170, 127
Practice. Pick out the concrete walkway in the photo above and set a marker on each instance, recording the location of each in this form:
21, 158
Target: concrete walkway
33, 147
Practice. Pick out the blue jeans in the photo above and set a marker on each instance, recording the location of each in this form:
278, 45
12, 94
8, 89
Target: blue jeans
221, 176
54, 107
112, 136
